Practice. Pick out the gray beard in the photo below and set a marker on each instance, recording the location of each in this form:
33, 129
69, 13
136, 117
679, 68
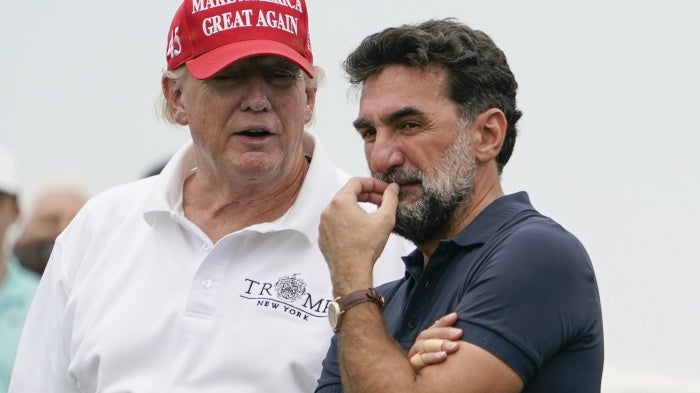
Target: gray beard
429, 217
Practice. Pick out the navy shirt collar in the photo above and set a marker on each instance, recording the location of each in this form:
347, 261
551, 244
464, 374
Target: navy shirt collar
492, 219
484, 226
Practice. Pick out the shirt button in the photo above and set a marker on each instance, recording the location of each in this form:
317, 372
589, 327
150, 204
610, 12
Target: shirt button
411, 324
206, 283
206, 247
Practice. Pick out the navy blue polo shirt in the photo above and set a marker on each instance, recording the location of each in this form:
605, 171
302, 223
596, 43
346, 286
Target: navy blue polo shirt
524, 289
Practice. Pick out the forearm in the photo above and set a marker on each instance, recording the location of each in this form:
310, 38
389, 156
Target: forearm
351, 241
370, 362
369, 359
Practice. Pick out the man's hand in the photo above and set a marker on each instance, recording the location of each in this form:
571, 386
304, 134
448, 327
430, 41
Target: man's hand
434, 343
352, 239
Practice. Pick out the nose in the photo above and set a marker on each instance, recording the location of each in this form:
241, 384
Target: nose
384, 153
256, 94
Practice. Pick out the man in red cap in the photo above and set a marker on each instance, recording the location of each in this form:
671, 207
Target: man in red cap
208, 276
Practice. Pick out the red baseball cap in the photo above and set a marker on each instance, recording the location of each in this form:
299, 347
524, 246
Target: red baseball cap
209, 35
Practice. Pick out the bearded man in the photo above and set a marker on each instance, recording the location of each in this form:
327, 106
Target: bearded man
514, 294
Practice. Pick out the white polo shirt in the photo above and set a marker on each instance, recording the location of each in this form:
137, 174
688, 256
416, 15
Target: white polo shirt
136, 298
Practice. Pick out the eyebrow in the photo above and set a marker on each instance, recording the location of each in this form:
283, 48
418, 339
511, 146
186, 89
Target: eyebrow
391, 117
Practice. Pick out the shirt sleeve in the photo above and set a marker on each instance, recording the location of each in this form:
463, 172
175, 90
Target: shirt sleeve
42, 356
329, 382
535, 294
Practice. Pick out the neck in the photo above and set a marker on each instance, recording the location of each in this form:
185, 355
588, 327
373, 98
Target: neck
464, 215
219, 210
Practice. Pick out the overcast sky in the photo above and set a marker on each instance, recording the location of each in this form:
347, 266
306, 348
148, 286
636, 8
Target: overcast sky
609, 91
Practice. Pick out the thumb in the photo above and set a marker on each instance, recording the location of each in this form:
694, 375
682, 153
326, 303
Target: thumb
390, 201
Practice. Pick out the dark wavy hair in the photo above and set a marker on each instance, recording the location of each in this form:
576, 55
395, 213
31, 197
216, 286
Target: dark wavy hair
478, 76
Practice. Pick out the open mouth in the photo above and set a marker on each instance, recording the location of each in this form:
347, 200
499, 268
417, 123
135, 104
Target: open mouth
255, 133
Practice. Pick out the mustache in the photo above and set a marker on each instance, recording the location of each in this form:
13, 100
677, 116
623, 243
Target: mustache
401, 177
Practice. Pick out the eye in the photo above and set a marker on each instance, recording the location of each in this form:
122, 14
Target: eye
409, 125
225, 79
283, 76
368, 134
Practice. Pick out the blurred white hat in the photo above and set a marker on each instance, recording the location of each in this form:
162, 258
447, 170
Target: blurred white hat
9, 177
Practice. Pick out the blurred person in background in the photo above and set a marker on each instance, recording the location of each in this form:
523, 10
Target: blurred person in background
17, 284
46, 214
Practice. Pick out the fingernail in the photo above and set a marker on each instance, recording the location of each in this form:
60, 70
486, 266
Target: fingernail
455, 332
450, 345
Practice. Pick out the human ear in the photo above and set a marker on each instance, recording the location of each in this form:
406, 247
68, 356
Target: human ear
489, 134
310, 103
173, 96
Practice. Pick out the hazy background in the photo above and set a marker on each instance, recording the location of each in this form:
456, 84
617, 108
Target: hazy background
609, 91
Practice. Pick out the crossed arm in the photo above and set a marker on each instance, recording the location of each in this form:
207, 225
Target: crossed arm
369, 360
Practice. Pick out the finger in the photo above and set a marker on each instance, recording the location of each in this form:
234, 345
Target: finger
446, 333
417, 361
445, 346
446, 320
422, 360
429, 358
363, 186
373, 198
433, 345
360, 189
390, 200
378, 194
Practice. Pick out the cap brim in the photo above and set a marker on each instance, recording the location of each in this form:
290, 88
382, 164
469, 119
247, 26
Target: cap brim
212, 62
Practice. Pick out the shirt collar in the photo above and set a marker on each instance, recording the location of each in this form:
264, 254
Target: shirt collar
479, 231
315, 194
166, 195
303, 216
491, 219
